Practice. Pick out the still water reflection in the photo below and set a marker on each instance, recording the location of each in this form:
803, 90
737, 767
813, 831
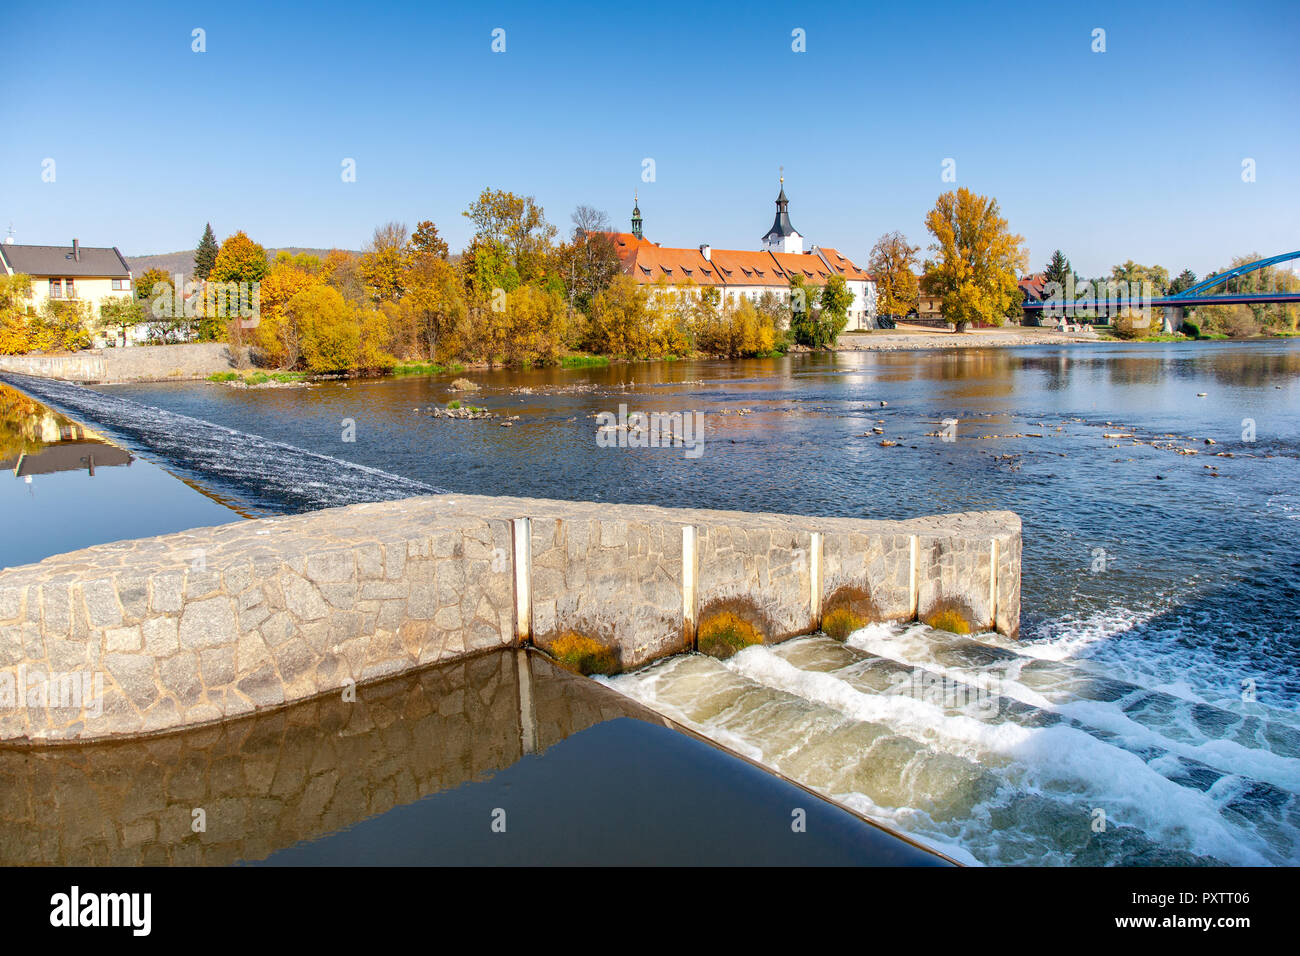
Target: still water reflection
416, 771
64, 485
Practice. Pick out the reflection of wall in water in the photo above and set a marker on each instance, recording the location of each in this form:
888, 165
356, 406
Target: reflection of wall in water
294, 774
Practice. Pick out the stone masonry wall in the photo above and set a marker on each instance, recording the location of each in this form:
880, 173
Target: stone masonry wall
140, 363
156, 634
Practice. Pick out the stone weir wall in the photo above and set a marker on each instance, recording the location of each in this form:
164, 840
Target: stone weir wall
160, 633
139, 363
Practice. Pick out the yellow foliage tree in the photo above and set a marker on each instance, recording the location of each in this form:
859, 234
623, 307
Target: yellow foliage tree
275, 336
978, 259
328, 329
736, 330
619, 323
15, 336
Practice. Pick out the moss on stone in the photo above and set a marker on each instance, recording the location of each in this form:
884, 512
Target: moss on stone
722, 634
841, 622
582, 654
948, 620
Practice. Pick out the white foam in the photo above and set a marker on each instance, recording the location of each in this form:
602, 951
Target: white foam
1056, 759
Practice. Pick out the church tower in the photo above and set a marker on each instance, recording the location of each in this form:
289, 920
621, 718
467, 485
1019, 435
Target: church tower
782, 236
636, 216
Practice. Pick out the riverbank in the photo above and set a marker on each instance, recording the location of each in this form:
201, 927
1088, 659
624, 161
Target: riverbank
215, 362
910, 338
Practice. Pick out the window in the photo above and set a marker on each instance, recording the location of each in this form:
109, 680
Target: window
69, 292
121, 285
56, 288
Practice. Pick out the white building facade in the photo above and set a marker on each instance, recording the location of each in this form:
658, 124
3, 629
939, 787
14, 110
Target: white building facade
739, 273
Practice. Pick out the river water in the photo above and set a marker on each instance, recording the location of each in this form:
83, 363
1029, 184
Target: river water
1148, 713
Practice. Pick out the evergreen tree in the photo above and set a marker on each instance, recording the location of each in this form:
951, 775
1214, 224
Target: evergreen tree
1058, 269
1185, 280
205, 256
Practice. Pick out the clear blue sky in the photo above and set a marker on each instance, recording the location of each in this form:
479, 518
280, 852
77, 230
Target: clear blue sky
1132, 153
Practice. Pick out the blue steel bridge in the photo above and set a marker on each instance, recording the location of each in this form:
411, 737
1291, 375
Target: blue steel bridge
1190, 298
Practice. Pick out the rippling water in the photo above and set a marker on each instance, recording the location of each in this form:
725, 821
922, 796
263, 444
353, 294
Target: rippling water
1157, 678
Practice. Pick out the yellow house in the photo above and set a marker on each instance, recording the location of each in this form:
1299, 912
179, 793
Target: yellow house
82, 273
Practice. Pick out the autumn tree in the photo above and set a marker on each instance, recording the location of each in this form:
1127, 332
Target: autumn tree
892, 264
435, 308
342, 270
60, 326
516, 224
152, 284
383, 262
276, 337
978, 259
15, 293
589, 261
239, 260
618, 321
425, 241
737, 330
328, 329
205, 256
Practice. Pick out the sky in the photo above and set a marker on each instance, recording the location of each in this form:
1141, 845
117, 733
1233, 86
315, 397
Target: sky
1132, 153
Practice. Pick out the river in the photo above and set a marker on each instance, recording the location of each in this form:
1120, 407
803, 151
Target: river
1156, 678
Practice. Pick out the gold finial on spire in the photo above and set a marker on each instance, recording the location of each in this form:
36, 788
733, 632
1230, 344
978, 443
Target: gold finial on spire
782, 169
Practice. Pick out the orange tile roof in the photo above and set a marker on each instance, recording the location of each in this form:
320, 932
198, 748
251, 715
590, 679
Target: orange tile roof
625, 243
1033, 285
647, 262
805, 264
742, 267
843, 265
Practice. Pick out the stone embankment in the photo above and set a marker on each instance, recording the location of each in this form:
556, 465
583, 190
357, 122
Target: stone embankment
140, 363
185, 629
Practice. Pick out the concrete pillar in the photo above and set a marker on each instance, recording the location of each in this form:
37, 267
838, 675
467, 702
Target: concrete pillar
1173, 318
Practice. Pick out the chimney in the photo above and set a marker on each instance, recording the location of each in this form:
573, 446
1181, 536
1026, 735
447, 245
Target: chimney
76, 250
707, 251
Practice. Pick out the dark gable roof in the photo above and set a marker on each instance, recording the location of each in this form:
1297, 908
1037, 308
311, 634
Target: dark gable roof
57, 261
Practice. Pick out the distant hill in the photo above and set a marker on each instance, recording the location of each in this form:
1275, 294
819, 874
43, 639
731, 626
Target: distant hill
183, 262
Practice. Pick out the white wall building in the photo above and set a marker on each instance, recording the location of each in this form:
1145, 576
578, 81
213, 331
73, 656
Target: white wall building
740, 273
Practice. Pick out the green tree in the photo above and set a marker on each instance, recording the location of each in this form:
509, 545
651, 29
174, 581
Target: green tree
120, 314
205, 256
1058, 269
1182, 282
